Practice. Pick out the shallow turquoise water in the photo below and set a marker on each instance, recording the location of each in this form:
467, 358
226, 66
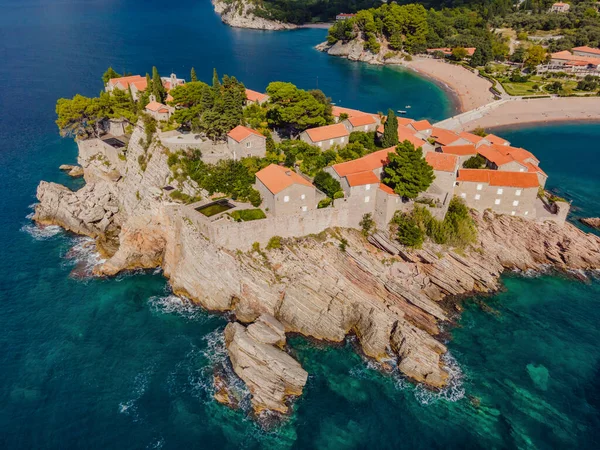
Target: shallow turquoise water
120, 363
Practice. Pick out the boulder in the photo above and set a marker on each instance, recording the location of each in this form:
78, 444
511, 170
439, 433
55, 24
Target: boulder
592, 222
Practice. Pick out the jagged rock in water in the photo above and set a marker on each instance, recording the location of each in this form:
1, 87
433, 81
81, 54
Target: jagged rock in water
73, 171
593, 222
272, 376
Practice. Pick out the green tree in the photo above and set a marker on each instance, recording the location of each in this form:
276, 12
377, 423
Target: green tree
390, 130
158, 90
367, 224
474, 162
326, 183
534, 56
408, 232
407, 172
193, 76
110, 73
459, 53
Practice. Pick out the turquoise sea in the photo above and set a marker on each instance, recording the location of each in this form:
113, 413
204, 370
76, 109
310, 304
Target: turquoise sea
121, 363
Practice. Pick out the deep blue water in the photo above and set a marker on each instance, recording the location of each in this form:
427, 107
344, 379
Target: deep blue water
119, 363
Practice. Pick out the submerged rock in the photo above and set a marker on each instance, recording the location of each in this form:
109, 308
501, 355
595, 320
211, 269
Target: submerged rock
593, 222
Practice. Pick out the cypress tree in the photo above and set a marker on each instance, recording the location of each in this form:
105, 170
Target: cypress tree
390, 131
157, 87
216, 84
193, 76
407, 171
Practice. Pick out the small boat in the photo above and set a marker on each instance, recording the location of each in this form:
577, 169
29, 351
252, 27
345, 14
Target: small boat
407, 106
401, 111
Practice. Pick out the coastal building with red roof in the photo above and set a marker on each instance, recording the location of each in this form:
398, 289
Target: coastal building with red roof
254, 97
338, 112
159, 111
362, 122
327, 136
285, 192
243, 142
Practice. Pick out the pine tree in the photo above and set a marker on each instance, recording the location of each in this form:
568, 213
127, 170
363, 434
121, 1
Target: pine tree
193, 76
390, 131
407, 171
157, 87
216, 84
110, 73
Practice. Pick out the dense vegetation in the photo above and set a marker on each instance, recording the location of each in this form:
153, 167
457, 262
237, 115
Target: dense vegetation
407, 172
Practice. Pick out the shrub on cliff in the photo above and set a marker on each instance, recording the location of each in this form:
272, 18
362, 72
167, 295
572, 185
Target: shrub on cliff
407, 172
408, 232
327, 184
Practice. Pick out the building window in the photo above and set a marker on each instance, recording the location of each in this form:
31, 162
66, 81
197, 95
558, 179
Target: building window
343, 140
320, 144
497, 201
521, 170
526, 212
499, 191
477, 196
330, 141
366, 127
367, 199
518, 192
512, 213
304, 208
302, 197
479, 187
367, 187
248, 144
516, 203
286, 199
463, 195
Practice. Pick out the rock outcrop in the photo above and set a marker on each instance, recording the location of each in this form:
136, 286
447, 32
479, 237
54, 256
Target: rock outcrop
592, 222
354, 50
272, 376
73, 171
389, 299
240, 14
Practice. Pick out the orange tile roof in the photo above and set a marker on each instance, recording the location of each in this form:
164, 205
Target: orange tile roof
470, 137
364, 119
338, 110
536, 169
421, 125
443, 136
362, 178
277, 178
155, 106
405, 134
460, 150
586, 49
441, 161
493, 155
240, 133
387, 189
124, 81
368, 162
448, 50
499, 178
140, 85
493, 139
402, 122
519, 154
254, 96
327, 132
169, 98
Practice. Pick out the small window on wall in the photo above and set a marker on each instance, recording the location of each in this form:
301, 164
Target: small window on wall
305, 208
286, 199
248, 144
526, 212
516, 203
367, 187
497, 201
479, 187
512, 213
366, 127
343, 140
518, 192
367, 199
320, 144
330, 141
477, 196
302, 197
463, 195
499, 191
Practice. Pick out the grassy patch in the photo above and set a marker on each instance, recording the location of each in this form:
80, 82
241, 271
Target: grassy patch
246, 215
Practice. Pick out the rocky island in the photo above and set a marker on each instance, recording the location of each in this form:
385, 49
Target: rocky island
396, 299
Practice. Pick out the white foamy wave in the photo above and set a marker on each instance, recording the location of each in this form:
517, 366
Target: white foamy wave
85, 256
215, 350
30, 216
140, 384
172, 304
453, 392
159, 443
40, 232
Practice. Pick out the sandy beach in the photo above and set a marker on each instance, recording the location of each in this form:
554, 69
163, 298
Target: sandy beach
471, 90
543, 110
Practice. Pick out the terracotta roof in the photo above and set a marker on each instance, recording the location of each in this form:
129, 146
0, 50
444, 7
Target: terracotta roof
240, 133
277, 178
441, 161
460, 150
493, 155
470, 137
124, 81
421, 125
499, 178
444, 137
360, 120
169, 98
576, 60
402, 122
519, 154
493, 139
338, 110
448, 50
536, 169
388, 190
405, 134
362, 178
254, 96
586, 49
327, 132
140, 85
155, 106
371, 161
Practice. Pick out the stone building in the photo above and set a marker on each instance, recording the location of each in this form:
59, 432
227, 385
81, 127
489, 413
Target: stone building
364, 123
327, 136
284, 192
445, 167
511, 193
254, 97
159, 111
422, 127
586, 51
243, 142
463, 152
560, 7
337, 112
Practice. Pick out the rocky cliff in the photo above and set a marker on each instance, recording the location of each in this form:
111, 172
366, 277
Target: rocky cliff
390, 300
354, 50
240, 14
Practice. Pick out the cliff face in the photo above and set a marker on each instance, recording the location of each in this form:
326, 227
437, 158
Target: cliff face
354, 50
309, 286
239, 14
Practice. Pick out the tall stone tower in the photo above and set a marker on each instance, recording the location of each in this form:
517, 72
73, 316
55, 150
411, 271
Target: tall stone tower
173, 81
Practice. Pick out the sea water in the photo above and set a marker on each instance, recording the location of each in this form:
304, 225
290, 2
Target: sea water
123, 363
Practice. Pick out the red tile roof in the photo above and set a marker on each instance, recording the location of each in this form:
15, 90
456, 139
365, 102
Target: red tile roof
460, 150
586, 49
338, 110
499, 178
402, 122
448, 50
327, 132
443, 136
368, 162
470, 137
124, 81
254, 96
360, 120
362, 178
493, 155
387, 189
519, 154
421, 125
140, 85
277, 178
442, 162
492, 138
240, 133
536, 169
405, 134
156, 106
